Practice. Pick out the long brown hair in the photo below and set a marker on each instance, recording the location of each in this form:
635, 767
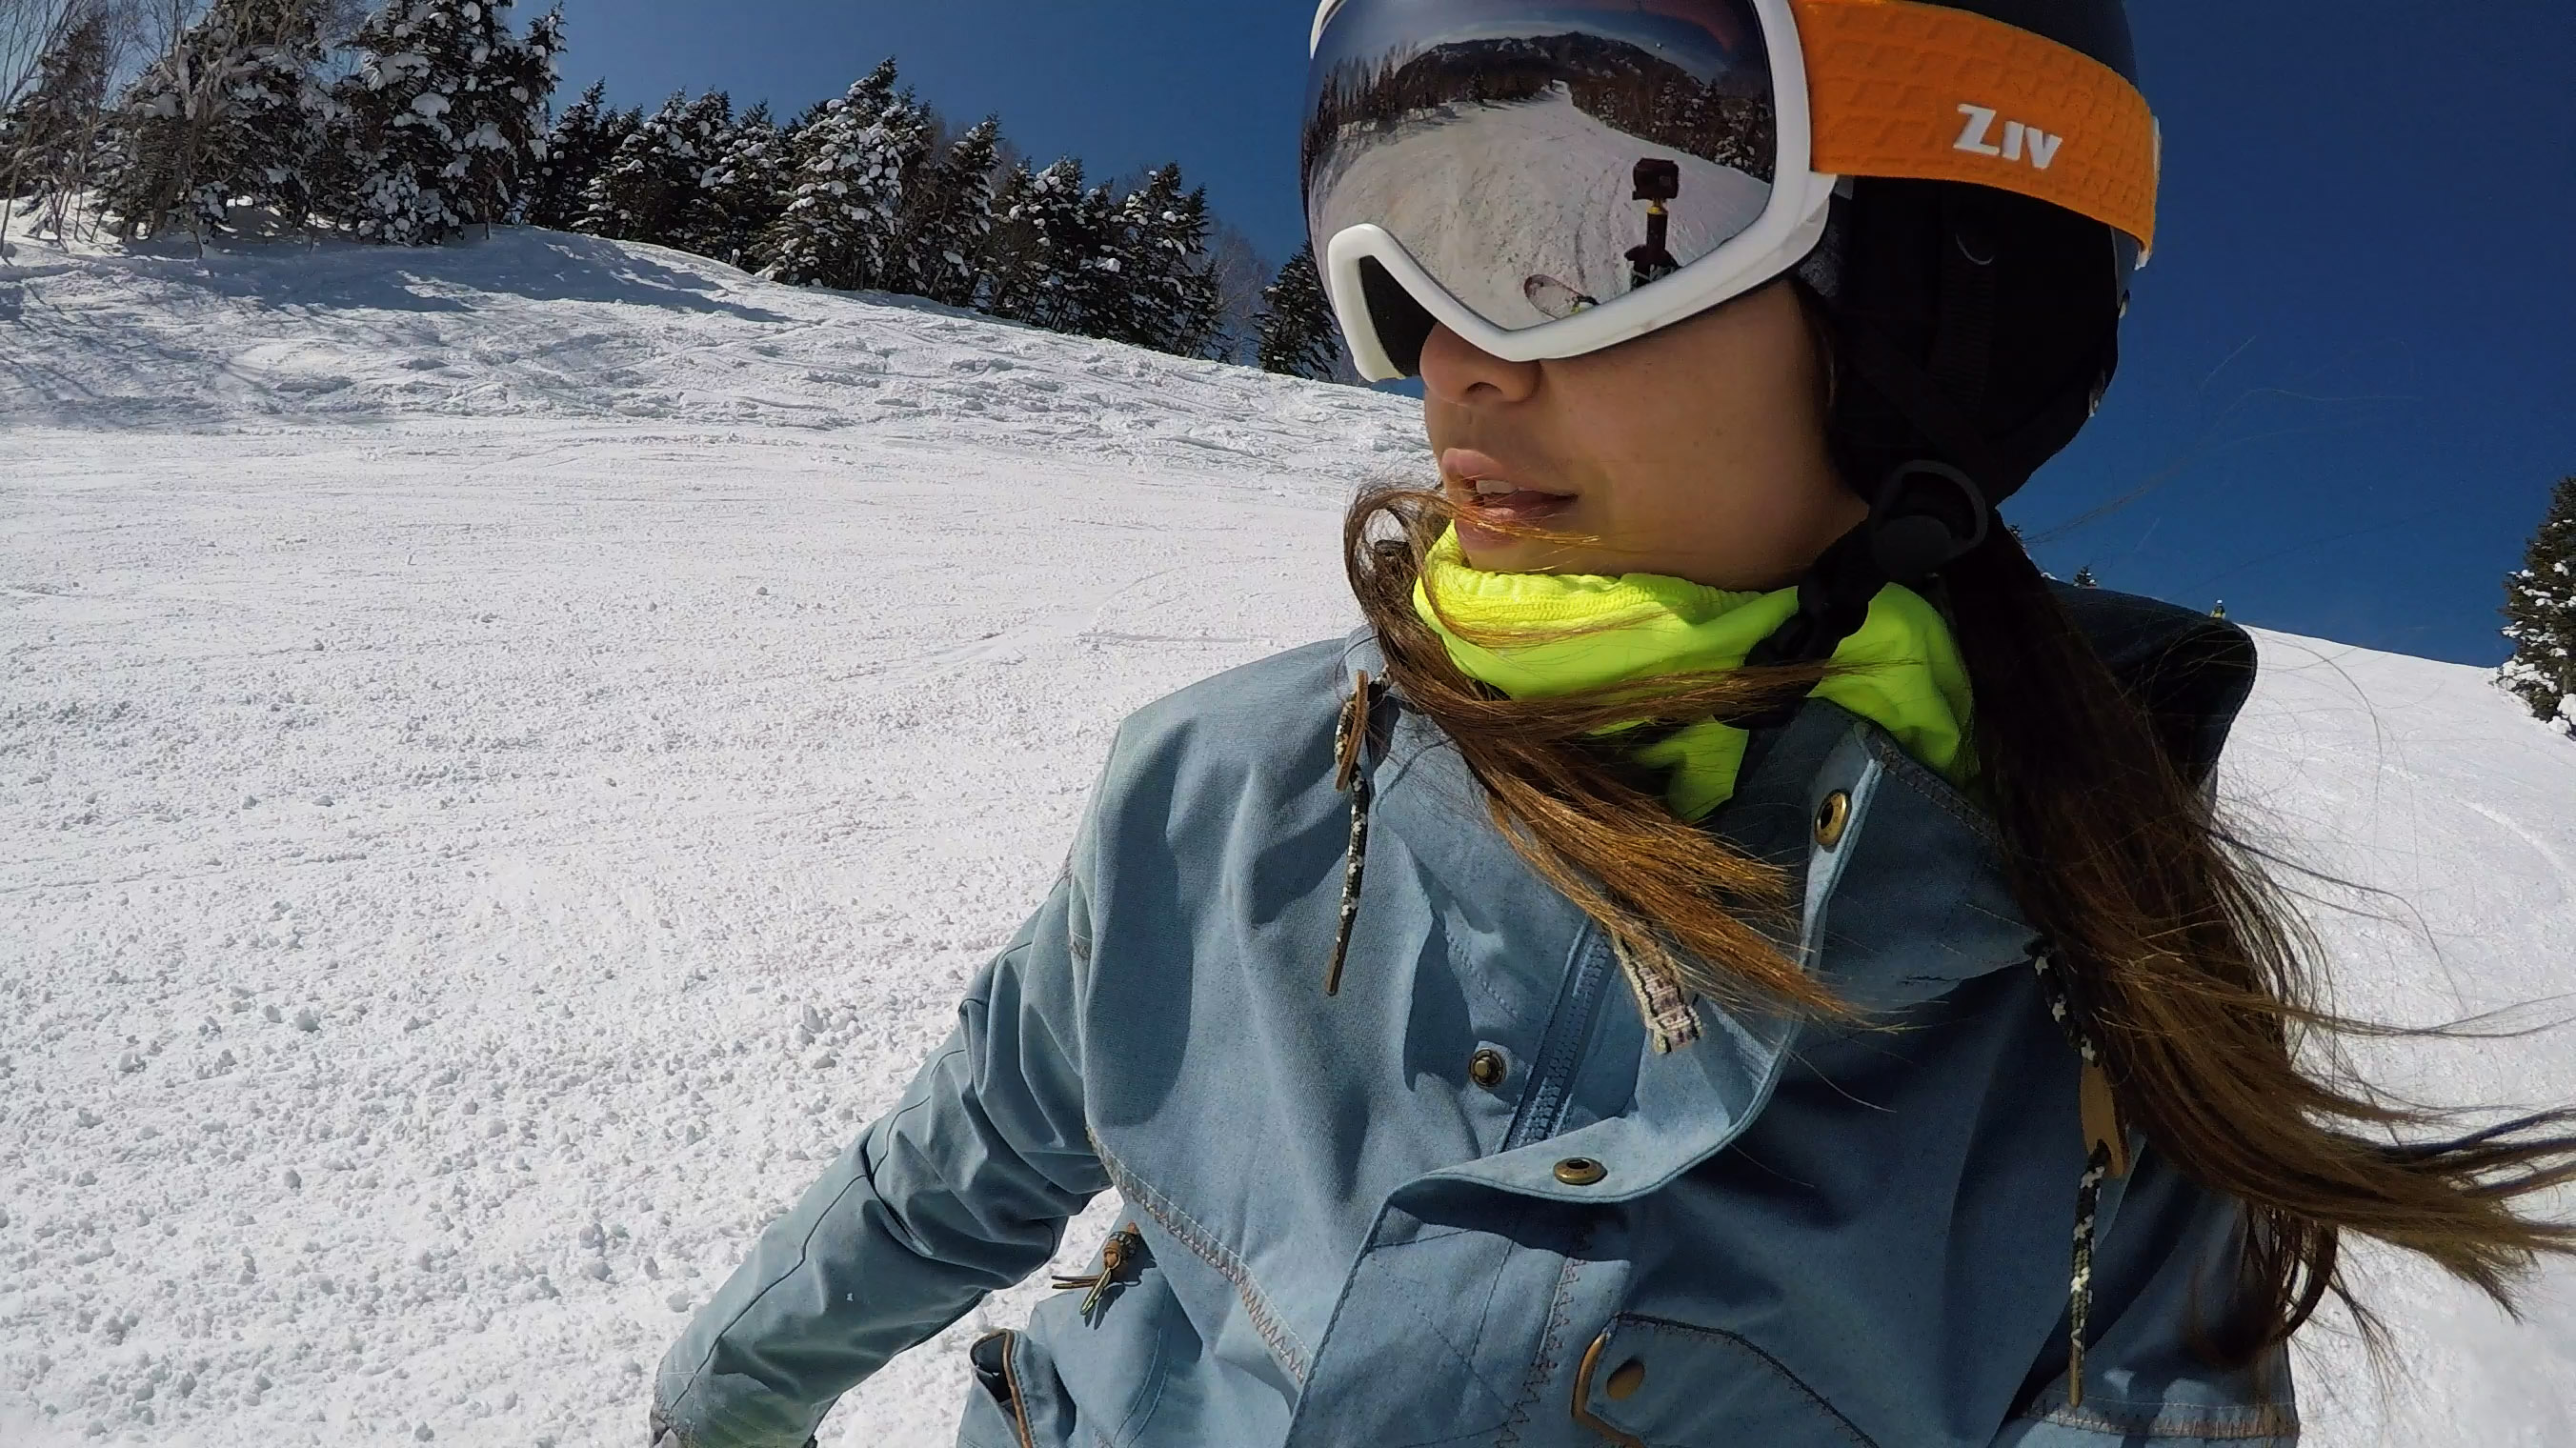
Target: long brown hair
2196, 970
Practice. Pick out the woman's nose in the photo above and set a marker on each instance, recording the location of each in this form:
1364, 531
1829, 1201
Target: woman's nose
1457, 371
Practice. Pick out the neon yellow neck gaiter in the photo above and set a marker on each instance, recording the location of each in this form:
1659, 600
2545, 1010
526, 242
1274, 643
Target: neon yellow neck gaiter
1901, 671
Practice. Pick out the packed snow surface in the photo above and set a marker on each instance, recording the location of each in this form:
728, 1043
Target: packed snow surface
509, 753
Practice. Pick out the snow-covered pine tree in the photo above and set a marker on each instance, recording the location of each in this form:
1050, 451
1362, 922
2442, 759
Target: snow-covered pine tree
948, 216
2540, 615
2084, 577
157, 143
228, 114
1095, 285
271, 122
740, 192
850, 164
510, 113
49, 140
578, 147
443, 118
649, 191
1006, 265
1166, 296
1055, 266
1297, 332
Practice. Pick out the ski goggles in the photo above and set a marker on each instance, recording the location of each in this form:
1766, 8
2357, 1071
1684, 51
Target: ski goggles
1547, 178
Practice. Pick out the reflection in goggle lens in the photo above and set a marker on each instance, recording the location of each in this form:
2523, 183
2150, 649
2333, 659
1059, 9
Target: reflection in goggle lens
1541, 162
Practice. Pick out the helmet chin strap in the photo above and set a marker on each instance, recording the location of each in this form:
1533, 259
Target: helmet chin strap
1927, 515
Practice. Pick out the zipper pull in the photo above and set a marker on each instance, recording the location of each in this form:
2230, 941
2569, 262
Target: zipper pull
2103, 1128
1115, 1256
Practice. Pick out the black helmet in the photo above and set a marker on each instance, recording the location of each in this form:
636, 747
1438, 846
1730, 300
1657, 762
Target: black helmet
1975, 331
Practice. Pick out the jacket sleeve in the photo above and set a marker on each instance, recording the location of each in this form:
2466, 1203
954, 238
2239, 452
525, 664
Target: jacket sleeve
963, 1188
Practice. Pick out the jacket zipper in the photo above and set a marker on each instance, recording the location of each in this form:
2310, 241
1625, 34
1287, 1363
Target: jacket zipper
1561, 1049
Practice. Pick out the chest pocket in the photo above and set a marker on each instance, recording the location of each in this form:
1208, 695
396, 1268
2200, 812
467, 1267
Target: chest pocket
1650, 1383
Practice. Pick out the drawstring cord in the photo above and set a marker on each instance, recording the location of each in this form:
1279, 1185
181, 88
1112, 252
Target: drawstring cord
2108, 1138
1351, 777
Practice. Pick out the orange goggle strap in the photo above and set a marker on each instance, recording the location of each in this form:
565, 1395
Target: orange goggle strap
1928, 93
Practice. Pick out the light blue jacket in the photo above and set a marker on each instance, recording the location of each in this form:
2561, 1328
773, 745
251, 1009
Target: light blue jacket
1351, 1230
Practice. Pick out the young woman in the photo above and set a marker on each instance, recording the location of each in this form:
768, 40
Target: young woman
1728, 954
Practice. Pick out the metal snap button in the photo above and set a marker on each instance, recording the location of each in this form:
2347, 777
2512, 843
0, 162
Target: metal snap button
1832, 818
1580, 1171
1487, 1068
1628, 1379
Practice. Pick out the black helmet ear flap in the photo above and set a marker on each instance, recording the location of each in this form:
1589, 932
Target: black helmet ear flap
1973, 328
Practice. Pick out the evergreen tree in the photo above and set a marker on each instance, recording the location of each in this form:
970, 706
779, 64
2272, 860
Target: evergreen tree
2084, 577
839, 227
1006, 265
1052, 258
948, 217
1297, 332
50, 138
270, 124
652, 188
443, 122
510, 117
1166, 297
1090, 292
230, 113
740, 193
2540, 615
578, 147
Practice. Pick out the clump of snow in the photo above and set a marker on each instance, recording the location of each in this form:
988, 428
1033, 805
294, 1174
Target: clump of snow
713, 673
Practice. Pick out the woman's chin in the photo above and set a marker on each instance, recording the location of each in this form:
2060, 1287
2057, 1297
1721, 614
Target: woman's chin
1494, 551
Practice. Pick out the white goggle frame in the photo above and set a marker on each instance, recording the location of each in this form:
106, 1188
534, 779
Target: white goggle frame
1788, 229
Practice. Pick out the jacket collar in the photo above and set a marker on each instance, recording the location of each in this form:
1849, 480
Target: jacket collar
1909, 900
1911, 897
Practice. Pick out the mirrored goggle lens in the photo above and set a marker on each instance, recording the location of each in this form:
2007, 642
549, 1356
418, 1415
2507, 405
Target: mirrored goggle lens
1543, 158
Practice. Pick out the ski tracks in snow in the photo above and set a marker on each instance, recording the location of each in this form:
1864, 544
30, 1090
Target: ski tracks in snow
509, 754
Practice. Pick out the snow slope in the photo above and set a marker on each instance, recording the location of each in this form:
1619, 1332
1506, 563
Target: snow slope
509, 753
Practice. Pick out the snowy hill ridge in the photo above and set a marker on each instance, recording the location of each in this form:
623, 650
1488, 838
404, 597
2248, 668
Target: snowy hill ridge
509, 754
542, 324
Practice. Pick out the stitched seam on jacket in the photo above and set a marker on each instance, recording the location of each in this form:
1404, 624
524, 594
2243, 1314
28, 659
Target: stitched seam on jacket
1940, 792
2162, 1420
1543, 1367
1716, 1335
1284, 1343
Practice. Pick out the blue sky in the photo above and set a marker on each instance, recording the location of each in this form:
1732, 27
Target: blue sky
2351, 372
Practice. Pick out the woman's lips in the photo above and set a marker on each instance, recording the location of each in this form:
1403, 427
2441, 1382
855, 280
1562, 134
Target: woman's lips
1484, 491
